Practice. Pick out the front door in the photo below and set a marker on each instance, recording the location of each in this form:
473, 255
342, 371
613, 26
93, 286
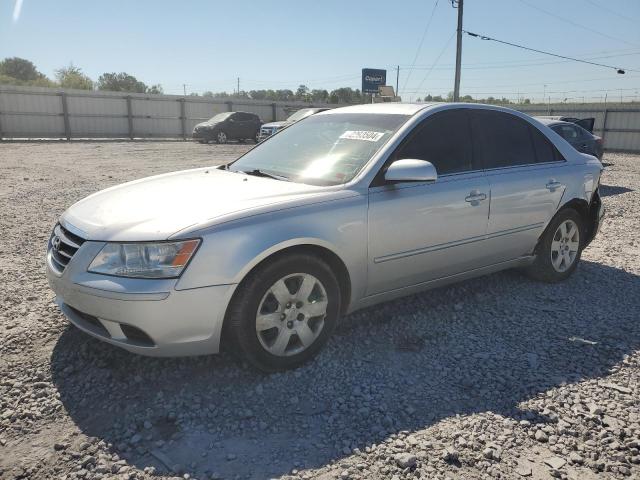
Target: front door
424, 231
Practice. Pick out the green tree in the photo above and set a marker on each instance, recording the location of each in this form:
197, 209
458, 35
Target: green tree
157, 89
72, 77
302, 93
18, 71
318, 95
121, 82
345, 95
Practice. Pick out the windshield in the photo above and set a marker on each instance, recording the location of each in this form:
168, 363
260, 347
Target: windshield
220, 117
324, 149
299, 115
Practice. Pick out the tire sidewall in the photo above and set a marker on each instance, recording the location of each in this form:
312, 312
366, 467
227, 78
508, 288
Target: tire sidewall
226, 137
250, 294
543, 259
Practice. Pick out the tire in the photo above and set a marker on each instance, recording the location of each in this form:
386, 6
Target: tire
256, 137
221, 137
560, 247
268, 331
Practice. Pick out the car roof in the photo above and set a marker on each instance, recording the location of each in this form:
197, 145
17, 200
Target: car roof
389, 107
549, 122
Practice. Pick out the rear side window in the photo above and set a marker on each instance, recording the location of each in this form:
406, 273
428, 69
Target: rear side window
568, 132
501, 139
444, 139
545, 150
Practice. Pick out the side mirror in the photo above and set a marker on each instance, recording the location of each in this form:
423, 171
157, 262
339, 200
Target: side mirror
410, 170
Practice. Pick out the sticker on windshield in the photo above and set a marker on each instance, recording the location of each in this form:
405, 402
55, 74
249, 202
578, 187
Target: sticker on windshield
365, 135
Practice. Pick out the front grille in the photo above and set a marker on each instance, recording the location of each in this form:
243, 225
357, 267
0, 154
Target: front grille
266, 131
62, 246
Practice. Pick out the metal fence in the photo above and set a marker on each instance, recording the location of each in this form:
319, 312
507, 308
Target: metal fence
37, 112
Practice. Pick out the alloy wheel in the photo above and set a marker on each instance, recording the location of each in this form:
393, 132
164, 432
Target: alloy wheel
565, 246
291, 314
221, 137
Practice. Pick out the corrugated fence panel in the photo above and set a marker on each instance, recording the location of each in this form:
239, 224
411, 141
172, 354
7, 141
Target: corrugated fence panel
32, 126
102, 117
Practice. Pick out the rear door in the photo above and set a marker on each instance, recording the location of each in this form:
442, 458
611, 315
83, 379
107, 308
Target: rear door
527, 177
423, 231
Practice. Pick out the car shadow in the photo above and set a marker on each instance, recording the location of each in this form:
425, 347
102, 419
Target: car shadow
611, 190
482, 345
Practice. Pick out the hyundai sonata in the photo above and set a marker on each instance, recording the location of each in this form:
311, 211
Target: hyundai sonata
342, 210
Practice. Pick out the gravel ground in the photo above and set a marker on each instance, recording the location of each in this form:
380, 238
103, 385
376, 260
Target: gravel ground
497, 378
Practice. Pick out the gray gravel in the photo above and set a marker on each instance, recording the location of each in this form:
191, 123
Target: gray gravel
500, 377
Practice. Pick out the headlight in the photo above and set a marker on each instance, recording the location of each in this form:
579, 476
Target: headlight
144, 260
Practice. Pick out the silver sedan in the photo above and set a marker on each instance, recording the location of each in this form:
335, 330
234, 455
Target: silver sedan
345, 209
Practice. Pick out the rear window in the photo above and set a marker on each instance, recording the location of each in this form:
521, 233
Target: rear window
545, 150
501, 139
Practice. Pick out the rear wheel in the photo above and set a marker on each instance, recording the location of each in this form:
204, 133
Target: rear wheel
284, 313
560, 248
221, 137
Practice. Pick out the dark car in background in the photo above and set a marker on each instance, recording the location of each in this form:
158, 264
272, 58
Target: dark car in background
270, 128
579, 138
586, 123
228, 126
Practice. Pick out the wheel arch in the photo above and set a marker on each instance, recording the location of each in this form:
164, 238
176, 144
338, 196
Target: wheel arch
325, 253
581, 206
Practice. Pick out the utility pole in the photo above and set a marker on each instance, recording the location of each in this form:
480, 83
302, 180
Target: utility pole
397, 80
456, 87
184, 89
238, 86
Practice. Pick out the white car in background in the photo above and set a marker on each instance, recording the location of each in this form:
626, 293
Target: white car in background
268, 129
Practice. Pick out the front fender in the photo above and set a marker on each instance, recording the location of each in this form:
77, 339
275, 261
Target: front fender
231, 250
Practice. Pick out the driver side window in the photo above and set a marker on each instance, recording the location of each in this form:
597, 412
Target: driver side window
444, 139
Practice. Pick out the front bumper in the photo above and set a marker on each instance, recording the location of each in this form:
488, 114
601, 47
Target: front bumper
149, 317
201, 135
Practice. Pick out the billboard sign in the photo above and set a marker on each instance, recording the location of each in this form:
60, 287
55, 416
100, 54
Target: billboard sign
372, 78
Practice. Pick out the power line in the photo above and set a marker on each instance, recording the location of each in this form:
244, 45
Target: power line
484, 37
607, 9
424, 34
446, 45
576, 24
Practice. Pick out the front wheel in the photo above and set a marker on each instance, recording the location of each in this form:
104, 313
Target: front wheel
284, 312
221, 137
256, 137
560, 247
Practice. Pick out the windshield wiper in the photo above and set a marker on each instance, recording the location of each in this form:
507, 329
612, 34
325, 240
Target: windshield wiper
260, 173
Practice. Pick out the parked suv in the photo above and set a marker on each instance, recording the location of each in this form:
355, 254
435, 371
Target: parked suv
269, 129
228, 126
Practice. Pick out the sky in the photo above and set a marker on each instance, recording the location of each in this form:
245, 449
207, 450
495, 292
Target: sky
207, 45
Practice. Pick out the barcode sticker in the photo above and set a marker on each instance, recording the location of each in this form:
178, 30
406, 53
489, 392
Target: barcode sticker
365, 135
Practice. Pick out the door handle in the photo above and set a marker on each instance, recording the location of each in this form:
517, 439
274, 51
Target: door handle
552, 185
475, 197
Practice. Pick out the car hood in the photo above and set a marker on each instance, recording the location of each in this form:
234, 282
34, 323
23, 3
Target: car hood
206, 124
155, 208
275, 124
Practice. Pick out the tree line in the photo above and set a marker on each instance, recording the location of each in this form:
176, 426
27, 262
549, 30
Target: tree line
19, 71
